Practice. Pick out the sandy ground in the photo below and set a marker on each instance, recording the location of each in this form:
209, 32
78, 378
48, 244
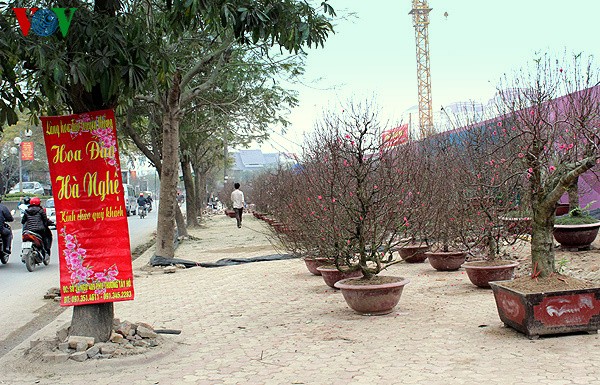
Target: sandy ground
274, 323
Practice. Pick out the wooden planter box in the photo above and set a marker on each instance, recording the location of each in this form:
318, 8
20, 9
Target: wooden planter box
552, 312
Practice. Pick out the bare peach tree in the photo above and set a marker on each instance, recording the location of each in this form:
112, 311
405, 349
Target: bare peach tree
354, 184
499, 213
549, 122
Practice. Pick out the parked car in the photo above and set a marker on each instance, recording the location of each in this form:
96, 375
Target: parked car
29, 188
50, 210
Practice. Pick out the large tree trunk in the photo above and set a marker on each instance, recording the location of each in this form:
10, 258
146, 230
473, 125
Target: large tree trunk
165, 246
200, 183
93, 321
542, 241
180, 222
191, 207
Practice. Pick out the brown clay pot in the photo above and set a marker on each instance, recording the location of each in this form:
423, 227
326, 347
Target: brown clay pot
561, 209
576, 236
230, 213
331, 274
413, 253
481, 273
446, 260
313, 262
279, 227
375, 299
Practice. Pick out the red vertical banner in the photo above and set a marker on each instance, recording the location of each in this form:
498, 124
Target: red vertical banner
27, 151
93, 237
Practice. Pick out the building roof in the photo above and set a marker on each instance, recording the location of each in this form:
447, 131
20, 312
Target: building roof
253, 160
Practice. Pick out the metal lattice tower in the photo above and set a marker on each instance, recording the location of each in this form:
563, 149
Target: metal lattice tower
420, 12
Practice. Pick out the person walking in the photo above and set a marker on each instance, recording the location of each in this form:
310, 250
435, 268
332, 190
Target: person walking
237, 197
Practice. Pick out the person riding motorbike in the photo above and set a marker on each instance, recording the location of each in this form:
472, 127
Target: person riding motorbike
23, 205
5, 231
141, 201
35, 220
149, 202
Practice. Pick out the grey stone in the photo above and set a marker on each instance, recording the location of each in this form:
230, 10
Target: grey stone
169, 269
81, 346
147, 326
152, 342
91, 352
79, 356
62, 333
55, 357
116, 337
108, 349
146, 333
34, 343
73, 341
63, 347
124, 328
140, 343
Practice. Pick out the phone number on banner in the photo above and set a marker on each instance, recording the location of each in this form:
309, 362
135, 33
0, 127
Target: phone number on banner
82, 298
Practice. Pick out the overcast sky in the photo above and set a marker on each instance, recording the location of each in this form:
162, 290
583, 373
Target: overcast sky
372, 55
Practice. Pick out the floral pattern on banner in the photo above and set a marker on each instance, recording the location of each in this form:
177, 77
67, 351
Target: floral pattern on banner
80, 274
104, 137
107, 141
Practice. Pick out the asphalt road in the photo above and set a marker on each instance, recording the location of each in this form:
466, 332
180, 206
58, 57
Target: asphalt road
21, 292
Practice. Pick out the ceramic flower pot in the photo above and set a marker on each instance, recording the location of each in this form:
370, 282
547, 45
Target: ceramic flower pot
331, 274
413, 253
481, 273
576, 236
561, 209
313, 262
446, 260
376, 298
230, 213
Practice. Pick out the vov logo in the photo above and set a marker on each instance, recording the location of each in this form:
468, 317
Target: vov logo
44, 22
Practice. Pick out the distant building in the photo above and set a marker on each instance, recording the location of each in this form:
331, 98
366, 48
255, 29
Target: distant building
250, 161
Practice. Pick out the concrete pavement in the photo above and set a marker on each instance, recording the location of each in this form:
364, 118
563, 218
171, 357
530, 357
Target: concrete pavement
275, 323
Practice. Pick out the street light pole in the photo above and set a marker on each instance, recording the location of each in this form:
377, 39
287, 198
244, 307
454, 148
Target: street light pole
17, 141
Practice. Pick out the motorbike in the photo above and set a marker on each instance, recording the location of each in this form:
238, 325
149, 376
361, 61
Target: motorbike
32, 250
3, 256
142, 211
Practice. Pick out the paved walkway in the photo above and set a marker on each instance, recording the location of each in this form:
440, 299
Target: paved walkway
274, 323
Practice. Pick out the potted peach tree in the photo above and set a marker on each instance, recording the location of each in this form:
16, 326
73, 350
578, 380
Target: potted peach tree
549, 125
353, 181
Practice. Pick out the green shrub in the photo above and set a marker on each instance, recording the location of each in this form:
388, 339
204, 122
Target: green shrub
577, 216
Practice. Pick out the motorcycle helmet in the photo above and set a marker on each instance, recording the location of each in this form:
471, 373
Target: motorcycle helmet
141, 194
35, 201
26, 200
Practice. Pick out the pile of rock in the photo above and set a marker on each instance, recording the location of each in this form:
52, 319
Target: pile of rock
127, 338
